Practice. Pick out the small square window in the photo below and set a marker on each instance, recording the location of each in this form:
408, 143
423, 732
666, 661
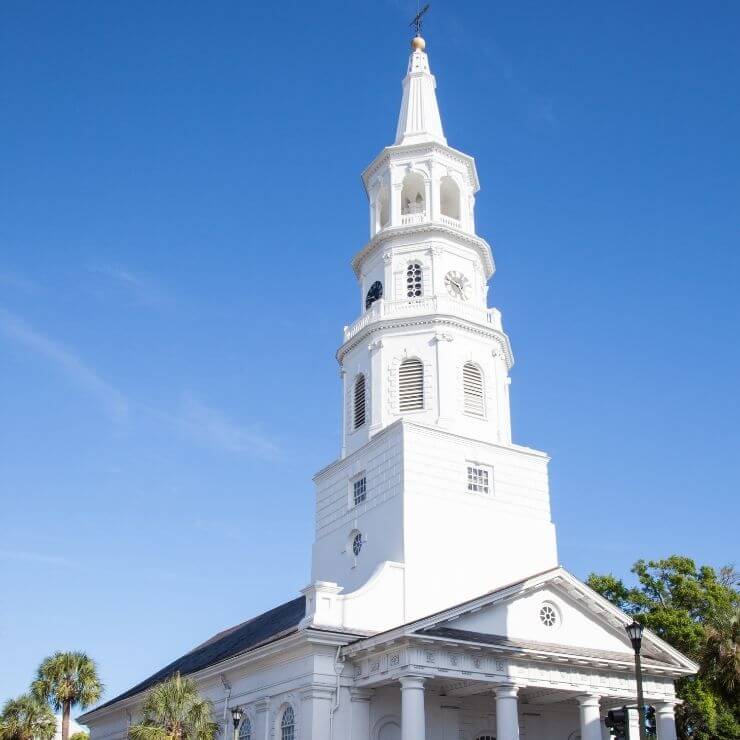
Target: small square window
359, 490
479, 479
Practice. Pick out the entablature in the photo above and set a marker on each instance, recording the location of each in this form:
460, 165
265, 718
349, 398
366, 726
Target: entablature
397, 236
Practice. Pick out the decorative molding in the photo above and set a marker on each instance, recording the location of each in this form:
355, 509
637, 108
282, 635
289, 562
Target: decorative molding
469, 239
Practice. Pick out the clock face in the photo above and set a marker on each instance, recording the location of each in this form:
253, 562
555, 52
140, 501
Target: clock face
375, 293
458, 286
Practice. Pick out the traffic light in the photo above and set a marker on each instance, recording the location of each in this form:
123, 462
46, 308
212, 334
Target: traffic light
617, 720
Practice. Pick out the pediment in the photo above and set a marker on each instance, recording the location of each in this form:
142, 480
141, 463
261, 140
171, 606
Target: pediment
550, 613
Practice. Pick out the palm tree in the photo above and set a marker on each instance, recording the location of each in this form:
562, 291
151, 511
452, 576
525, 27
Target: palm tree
175, 710
721, 654
65, 680
26, 718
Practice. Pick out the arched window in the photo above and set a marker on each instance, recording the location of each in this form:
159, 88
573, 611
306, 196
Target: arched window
411, 385
474, 400
412, 194
358, 401
413, 281
287, 724
245, 730
449, 196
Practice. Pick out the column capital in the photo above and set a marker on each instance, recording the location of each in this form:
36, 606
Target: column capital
506, 690
666, 706
412, 681
589, 700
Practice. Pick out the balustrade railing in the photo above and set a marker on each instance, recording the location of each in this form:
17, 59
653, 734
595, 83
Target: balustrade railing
383, 309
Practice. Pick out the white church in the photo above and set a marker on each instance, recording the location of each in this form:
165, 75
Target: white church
437, 609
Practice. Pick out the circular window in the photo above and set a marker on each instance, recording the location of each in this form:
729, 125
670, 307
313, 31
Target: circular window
357, 544
548, 615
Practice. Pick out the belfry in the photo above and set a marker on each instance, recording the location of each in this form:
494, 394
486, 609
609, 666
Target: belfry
437, 609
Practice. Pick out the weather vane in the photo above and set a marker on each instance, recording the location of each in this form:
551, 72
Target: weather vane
418, 18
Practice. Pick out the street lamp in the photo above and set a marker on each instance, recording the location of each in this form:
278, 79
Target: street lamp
236, 717
634, 631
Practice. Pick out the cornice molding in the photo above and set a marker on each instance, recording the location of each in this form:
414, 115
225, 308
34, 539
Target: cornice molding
432, 320
474, 241
422, 149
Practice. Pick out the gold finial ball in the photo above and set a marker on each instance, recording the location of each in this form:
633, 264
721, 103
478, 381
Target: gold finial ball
418, 43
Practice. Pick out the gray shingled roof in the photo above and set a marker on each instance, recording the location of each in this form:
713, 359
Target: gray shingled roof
546, 647
271, 625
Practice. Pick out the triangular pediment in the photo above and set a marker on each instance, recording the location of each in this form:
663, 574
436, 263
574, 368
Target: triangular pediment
552, 613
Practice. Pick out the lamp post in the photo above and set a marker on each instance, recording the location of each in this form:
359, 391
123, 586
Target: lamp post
236, 717
634, 631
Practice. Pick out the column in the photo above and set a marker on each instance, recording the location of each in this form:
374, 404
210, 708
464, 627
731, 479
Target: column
413, 722
507, 712
590, 717
261, 719
360, 714
665, 719
315, 720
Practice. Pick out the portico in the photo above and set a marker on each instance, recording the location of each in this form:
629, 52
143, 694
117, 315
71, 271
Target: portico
430, 679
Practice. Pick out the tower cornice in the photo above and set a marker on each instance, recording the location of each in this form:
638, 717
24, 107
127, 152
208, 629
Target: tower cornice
421, 149
435, 320
391, 233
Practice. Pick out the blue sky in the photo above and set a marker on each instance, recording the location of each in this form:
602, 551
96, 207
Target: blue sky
179, 203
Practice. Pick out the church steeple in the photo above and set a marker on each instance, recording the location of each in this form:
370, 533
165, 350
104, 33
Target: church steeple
419, 119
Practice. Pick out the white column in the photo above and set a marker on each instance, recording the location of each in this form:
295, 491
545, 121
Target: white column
413, 722
665, 720
360, 719
590, 717
507, 712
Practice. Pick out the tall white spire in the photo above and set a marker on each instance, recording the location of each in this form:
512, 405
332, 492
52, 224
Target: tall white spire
419, 119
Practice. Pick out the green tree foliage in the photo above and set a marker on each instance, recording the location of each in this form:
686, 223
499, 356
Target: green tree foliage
696, 610
80, 735
26, 718
65, 680
174, 710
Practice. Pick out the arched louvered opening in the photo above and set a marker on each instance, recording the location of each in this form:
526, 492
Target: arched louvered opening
384, 206
411, 385
449, 196
412, 194
474, 400
287, 725
414, 287
359, 401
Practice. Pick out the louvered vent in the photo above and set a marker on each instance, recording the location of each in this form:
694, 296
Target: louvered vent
474, 399
411, 385
359, 402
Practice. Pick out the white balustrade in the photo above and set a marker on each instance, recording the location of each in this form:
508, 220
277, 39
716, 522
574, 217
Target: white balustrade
407, 219
383, 309
449, 221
